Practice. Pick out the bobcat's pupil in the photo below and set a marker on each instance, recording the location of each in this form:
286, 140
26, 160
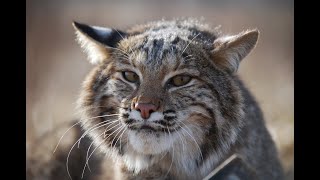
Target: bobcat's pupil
130, 76
180, 80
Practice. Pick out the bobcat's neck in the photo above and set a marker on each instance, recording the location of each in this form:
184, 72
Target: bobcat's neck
180, 162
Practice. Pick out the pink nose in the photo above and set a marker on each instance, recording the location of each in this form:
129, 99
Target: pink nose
145, 109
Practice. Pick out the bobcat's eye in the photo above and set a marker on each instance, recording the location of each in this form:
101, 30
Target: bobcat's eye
180, 80
130, 76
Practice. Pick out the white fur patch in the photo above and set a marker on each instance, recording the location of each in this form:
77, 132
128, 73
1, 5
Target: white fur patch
134, 114
155, 116
149, 143
136, 161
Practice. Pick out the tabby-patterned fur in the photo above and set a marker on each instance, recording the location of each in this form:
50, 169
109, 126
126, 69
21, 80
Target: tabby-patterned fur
164, 101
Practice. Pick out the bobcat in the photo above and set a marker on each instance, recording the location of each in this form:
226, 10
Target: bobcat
164, 101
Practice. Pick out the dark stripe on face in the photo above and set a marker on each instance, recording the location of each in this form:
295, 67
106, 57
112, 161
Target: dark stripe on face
184, 99
216, 94
205, 107
227, 103
163, 123
143, 44
103, 105
169, 118
203, 94
155, 51
100, 81
129, 121
185, 55
176, 40
126, 115
169, 111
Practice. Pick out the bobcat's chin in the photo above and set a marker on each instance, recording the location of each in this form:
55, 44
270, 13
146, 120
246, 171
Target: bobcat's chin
148, 142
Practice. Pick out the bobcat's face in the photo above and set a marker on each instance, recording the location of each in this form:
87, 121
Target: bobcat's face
162, 86
159, 91
163, 94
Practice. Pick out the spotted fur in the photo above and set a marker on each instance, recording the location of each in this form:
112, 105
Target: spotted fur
196, 126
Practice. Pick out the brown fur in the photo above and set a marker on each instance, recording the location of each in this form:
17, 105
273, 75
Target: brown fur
198, 125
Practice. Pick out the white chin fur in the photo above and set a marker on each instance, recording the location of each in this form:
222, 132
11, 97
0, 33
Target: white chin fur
149, 143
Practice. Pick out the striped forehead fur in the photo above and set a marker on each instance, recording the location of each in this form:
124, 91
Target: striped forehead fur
167, 41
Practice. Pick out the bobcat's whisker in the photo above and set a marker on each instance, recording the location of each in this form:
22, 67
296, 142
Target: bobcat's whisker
87, 159
77, 124
126, 128
119, 50
107, 128
89, 150
165, 136
183, 148
122, 127
120, 53
67, 162
99, 136
120, 107
123, 39
191, 137
190, 42
172, 157
122, 56
164, 154
63, 136
95, 127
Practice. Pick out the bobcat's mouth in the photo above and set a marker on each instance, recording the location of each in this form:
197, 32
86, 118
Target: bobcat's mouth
144, 126
148, 127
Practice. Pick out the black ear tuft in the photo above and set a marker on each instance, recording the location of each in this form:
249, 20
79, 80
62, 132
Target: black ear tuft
106, 36
97, 42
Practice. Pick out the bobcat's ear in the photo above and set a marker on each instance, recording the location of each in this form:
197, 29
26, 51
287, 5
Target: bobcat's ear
97, 42
230, 50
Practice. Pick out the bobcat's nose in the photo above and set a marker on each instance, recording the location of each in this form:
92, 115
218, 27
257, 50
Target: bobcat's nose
145, 109
145, 105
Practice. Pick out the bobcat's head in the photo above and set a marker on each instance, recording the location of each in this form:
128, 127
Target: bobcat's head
163, 86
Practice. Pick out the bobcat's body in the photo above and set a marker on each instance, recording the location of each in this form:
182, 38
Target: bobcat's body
164, 102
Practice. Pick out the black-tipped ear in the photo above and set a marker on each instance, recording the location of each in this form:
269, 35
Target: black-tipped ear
230, 50
97, 41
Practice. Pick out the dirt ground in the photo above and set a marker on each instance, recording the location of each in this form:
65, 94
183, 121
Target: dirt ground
56, 66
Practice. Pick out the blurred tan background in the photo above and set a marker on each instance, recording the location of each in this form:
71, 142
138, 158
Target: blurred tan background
56, 65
